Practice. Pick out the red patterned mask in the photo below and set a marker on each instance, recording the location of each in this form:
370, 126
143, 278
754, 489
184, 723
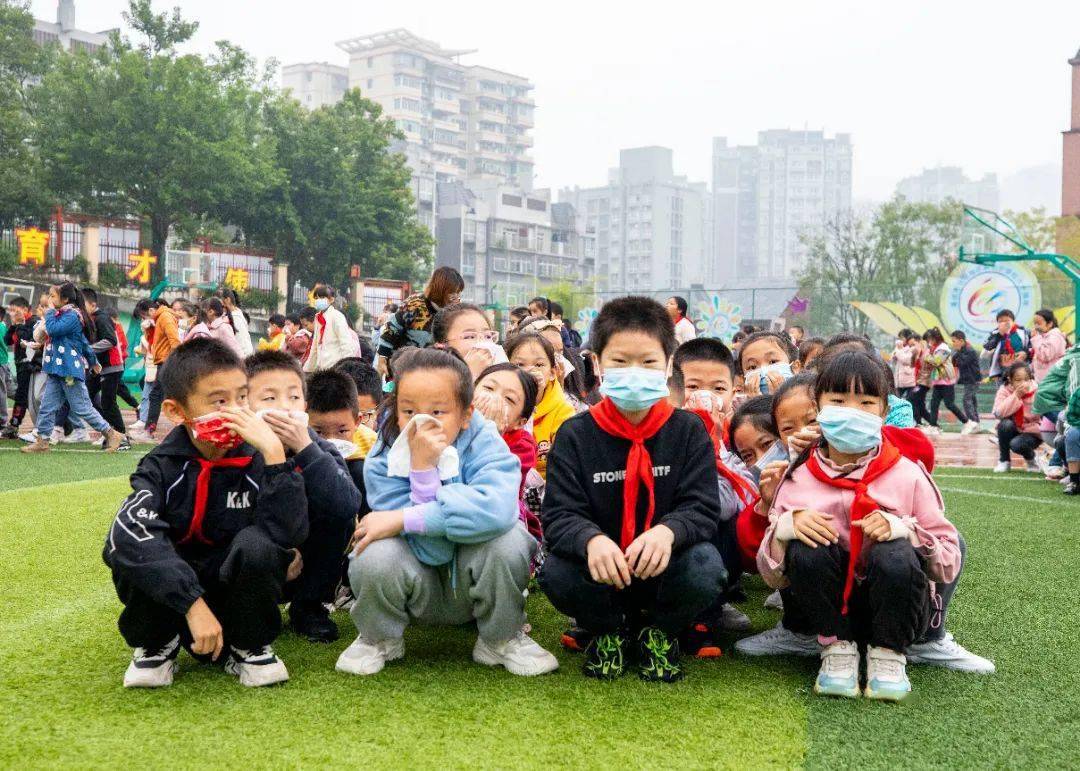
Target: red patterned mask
212, 430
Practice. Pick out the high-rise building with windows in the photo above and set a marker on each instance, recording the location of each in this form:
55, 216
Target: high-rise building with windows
767, 197
649, 224
315, 84
460, 122
943, 183
65, 34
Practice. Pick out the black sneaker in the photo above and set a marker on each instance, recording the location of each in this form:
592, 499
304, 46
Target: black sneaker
576, 639
700, 642
658, 656
1071, 488
256, 667
125, 443
605, 658
10, 431
152, 667
313, 622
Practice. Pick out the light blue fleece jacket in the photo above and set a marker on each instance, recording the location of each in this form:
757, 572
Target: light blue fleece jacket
477, 505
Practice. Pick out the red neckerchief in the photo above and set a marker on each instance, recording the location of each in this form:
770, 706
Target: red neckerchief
1007, 342
321, 318
887, 457
638, 461
202, 492
1018, 416
746, 492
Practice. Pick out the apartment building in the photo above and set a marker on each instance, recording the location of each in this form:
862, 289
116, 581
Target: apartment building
510, 243
942, 183
315, 84
769, 196
65, 34
649, 224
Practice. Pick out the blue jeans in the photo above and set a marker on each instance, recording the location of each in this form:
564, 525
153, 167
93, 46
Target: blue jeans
57, 391
1072, 445
144, 402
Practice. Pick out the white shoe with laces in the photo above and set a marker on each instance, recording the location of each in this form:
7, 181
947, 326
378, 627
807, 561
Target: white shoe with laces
886, 674
57, 435
1002, 467
152, 668
774, 601
779, 641
365, 658
77, 436
138, 425
256, 667
839, 672
28, 437
520, 655
950, 654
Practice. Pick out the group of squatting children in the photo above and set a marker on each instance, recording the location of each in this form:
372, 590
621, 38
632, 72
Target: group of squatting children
438, 498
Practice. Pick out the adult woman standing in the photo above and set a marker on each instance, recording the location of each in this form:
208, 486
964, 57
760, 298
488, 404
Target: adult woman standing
1048, 344
231, 300
684, 327
411, 324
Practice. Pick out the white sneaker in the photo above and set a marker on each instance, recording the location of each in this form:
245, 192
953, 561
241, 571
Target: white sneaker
948, 653
886, 674
520, 655
1054, 473
364, 658
779, 641
76, 436
29, 436
969, 428
256, 667
774, 601
839, 672
1002, 467
932, 431
733, 620
139, 435
138, 425
57, 435
152, 668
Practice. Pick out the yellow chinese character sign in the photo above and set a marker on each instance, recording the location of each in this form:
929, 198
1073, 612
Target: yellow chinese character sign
237, 278
32, 243
141, 263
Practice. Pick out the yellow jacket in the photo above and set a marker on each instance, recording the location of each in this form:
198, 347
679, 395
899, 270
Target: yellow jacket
552, 411
275, 343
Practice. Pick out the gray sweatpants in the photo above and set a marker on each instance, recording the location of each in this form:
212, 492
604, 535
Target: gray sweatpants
393, 588
7, 387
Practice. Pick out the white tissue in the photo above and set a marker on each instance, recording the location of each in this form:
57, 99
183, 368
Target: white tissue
498, 355
295, 414
344, 447
567, 367
399, 459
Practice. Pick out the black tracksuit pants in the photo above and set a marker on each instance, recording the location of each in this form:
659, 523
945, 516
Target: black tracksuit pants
1012, 439
102, 390
693, 581
22, 394
243, 586
889, 608
322, 554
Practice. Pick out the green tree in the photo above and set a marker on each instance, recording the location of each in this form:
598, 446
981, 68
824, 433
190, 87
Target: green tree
348, 196
21, 63
145, 131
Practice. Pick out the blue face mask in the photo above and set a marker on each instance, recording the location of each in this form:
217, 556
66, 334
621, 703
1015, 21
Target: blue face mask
849, 430
781, 368
322, 304
775, 452
634, 388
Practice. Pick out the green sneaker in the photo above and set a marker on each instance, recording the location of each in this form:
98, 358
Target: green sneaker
605, 658
658, 656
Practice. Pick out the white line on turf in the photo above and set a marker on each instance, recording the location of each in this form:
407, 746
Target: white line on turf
1015, 477
1027, 498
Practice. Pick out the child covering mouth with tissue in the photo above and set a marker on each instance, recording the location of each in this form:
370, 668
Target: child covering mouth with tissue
443, 543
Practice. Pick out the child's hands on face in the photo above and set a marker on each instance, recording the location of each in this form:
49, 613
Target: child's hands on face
707, 401
650, 552
293, 432
478, 359
607, 563
875, 527
770, 480
804, 437
256, 432
814, 527
492, 407
426, 444
376, 526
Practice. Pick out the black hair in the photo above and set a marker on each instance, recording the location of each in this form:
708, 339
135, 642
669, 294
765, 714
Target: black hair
307, 314
850, 341
680, 303
807, 347
799, 327
71, 295
277, 319
1014, 368
520, 311
802, 380
19, 302
192, 361
585, 366
905, 334
845, 371
323, 291
89, 295
366, 377
528, 385
959, 335
113, 312
632, 314
781, 339
190, 308
367, 353
212, 304
294, 318
408, 360
1047, 315
934, 334
701, 349
272, 361
160, 302
330, 390
444, 319
758, 413
544, 303
142, 309
556, 309
530, 337
1005, 313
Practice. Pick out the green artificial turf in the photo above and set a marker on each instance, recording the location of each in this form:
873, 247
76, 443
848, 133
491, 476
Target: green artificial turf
62, 660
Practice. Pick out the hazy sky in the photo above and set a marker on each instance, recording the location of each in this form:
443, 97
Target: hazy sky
918, 83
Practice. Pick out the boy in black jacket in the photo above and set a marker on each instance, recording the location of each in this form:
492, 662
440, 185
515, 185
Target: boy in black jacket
199, 550
18, 334
966, 361
631, 504
102, 387
276, 389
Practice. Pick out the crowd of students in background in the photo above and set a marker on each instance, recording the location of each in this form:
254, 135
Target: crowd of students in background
428, 478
